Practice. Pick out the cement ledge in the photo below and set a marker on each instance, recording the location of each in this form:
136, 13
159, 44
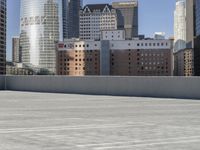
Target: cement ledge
162, 87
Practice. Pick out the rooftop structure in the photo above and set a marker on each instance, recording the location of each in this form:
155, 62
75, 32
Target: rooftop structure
84, 122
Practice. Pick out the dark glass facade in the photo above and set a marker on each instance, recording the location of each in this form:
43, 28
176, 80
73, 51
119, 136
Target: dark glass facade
71, 9
127, 17
197, 8
3, 36
197, 39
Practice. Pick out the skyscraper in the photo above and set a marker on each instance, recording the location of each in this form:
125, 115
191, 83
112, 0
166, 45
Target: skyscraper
65, 17
95, 18
180, 26
197, 39
190, 18
184, 38
16, 54
71, 9
127, 17
39, 33
3, 37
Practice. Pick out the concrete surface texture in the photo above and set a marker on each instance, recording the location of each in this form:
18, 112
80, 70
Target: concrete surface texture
36, 121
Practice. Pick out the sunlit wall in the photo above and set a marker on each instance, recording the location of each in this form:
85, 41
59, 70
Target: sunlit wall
39, 32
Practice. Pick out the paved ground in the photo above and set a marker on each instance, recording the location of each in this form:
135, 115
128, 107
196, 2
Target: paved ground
35, 121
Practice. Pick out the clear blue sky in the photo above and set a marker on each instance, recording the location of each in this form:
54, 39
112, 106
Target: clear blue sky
154, 16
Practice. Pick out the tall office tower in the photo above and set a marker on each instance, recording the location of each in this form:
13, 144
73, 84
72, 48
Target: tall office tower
197, 39
16, 54
180, 26
127, 17
39, 33
71, 10
64, 16
184, 38
190, 18
3, 37
96, 18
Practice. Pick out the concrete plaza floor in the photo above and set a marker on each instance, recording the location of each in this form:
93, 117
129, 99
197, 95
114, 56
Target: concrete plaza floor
42, 121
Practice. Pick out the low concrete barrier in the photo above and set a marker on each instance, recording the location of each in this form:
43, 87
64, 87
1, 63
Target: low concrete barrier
2, 82
167, 87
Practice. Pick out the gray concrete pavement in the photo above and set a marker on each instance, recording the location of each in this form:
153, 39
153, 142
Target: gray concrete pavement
42, 121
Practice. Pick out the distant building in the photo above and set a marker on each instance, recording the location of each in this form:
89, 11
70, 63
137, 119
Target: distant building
180, 25
127, 17
3, 18
16, 53
18, 69
73, 60
70, 11
95, 18
184, 63
115, 57
113, 35
184, 38
159, 35
190, 24
197, 39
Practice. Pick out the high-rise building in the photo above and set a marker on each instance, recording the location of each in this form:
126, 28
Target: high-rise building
190, 21
197, 39
39, 33
16, 53
95, 18
127, 17
180, 25
3, 37
197, 15
184, 38
65, 17
71, 10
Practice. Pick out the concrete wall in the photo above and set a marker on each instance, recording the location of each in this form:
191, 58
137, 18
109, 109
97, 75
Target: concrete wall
168, 87
2, 82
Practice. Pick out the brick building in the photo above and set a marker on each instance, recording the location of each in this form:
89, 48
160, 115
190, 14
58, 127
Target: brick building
115, 57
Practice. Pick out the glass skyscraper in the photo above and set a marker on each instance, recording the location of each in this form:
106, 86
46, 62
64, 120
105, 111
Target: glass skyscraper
197, 17
127, 17
197, 39
180, 26
3, 36
39, 33
71, 9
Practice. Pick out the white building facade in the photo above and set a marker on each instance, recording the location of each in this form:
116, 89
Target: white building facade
96, 18
113, 35
39, 32
180, 26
